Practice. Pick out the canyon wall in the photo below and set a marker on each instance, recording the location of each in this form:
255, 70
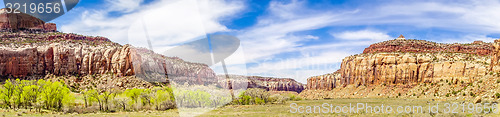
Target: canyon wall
72, 56
324, 82
411, 68
423, 46
495, 57
411, 62
268, 83
22, 21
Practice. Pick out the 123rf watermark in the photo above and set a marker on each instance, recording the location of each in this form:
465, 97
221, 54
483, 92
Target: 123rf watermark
370, 108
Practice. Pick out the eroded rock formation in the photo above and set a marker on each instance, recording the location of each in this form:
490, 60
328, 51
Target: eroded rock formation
22, 21
495, 57
28, 55
324, 82
422, 46
268, 83
410, 68
411, 62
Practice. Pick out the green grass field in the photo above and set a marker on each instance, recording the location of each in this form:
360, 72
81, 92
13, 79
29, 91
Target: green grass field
284, 109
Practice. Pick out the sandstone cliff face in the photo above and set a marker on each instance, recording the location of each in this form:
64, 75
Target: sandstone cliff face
268, 83
495, 57
24, 55
64, 59
181, 71
324, 82
410, 62
411, 68
22, 21
422, 46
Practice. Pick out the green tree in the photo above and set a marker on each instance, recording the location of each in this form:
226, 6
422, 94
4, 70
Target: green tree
146, 96
54, 94
7, 92
133, 94
106, 97
30, 95
87, 97
160, 97
17, 97
94, 95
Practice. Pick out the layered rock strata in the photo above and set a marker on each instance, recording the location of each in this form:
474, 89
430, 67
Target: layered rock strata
268, 83
22, 21
411, 62
22, 56
422, 46
324, 82
411, 68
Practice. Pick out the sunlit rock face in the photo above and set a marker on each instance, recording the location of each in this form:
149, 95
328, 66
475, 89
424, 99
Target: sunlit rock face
407, 61
268, 83
411, 68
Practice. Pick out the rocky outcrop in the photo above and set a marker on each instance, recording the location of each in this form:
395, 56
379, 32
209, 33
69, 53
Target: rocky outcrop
410, 62
324, 82
268, 83
422, 46
411, 68
495, 57
64, 59
25, 55
22, 21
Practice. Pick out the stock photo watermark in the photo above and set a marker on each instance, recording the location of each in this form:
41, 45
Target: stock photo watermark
353, 108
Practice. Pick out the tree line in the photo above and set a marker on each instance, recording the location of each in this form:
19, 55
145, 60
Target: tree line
56, 96
35, 94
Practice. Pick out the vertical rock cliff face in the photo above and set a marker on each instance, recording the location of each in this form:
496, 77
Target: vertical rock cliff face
36, 55
411, 62
65, 59
495, 57
268, 83
411, 68
22, 21
324, 82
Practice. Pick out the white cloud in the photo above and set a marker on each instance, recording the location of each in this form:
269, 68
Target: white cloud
167, 22
468, 39
123, 5
274, 34
465, 16
311, 37
362, 35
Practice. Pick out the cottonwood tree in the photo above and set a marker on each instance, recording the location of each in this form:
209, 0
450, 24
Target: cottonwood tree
106, 97
133, 94
6, 93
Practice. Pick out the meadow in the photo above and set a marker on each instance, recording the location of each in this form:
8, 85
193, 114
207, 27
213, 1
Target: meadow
283, 110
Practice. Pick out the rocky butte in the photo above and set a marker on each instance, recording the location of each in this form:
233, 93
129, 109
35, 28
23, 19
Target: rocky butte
21, 21
33, 49
268, 83
406, 63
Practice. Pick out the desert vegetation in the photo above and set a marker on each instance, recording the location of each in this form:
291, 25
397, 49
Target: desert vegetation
48, 95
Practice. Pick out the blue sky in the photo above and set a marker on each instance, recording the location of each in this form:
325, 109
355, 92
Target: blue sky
285, 38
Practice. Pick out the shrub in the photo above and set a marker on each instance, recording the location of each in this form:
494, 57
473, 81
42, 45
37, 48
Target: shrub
40, 94
163, 99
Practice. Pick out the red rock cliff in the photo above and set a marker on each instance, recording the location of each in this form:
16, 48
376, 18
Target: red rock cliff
22, 21
268, 83
404, 61
24, 55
